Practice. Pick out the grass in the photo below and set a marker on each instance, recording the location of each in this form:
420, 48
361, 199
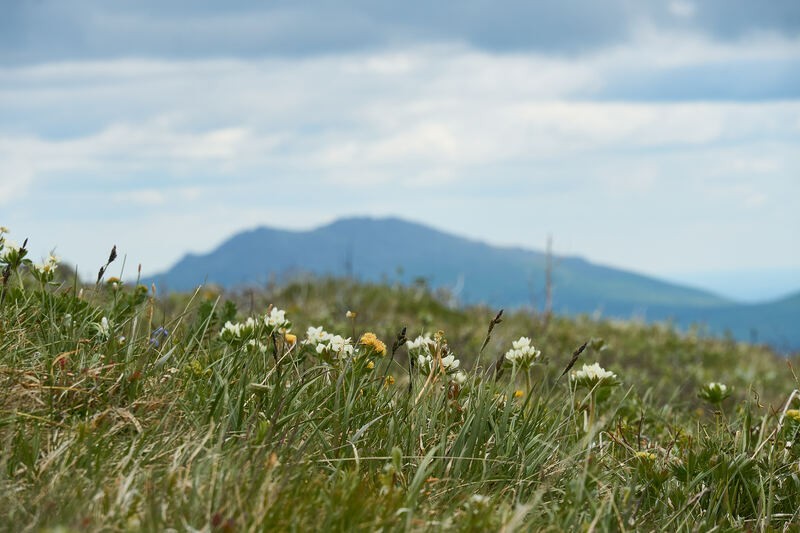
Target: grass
117, 425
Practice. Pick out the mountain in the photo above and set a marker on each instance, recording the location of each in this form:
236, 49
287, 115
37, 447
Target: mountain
397, 250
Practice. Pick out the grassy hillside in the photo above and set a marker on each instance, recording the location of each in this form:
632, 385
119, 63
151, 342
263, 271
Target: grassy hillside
221, 412
375, 250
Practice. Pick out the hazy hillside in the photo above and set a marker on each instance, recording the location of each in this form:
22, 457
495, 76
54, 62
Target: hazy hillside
396, 250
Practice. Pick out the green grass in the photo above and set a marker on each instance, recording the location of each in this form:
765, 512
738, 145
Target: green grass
109, 430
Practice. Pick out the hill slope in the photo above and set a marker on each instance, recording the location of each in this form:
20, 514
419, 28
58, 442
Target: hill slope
397, 250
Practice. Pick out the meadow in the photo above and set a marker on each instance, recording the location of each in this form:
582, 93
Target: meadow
330, 405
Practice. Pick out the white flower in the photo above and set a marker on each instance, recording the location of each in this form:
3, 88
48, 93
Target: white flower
314, 336
520, 344
237, 331
426, 363
592, 375
450, 362
459, 378
276, 319
9, 246
336, 345
231, 329
103, 328
261, 347
714, 392
420, 343
522, 353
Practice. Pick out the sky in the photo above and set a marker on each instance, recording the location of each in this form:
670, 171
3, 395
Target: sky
660, 137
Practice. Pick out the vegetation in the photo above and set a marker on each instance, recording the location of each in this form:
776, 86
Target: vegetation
374, 250
331, 405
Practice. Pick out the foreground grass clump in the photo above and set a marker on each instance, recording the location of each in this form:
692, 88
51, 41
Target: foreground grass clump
222, 412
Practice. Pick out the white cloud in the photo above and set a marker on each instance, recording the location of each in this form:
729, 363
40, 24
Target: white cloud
16, 176
682, 8
142, 197
302, 141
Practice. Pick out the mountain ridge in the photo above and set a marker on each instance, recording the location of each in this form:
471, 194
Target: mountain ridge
393, 249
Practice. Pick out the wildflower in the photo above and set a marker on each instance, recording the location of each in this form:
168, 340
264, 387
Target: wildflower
276, 320
591, 376
4, 229
459, 378
257, 345
233, 333
232, 329
49, 265
793, 414
450, 362
371, 365
290, 338
522, 353
159, 334
646, 456
371, 340
316, 335
714, 392
388, 381
420, 344
519, 393
9, 249
351, 314
103, 328
336, 346
424, 349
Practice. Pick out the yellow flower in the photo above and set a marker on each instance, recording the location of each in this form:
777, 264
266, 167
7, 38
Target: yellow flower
389, 381
646, 456
519, 393
371, 340
371, 365
290, 338
794, 414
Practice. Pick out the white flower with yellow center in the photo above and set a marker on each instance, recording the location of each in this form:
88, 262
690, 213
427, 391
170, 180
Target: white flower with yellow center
594, 375
276, 319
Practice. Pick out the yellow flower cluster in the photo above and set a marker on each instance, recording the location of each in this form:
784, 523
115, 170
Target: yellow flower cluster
794, 414
646, 456
371, 340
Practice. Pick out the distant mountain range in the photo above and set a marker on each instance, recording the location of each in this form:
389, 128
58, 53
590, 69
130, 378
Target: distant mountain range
391, 249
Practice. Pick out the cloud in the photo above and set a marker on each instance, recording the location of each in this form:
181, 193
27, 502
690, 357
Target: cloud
15, 178
481, 143
50, 30
143, 197
682, 8
399, 116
